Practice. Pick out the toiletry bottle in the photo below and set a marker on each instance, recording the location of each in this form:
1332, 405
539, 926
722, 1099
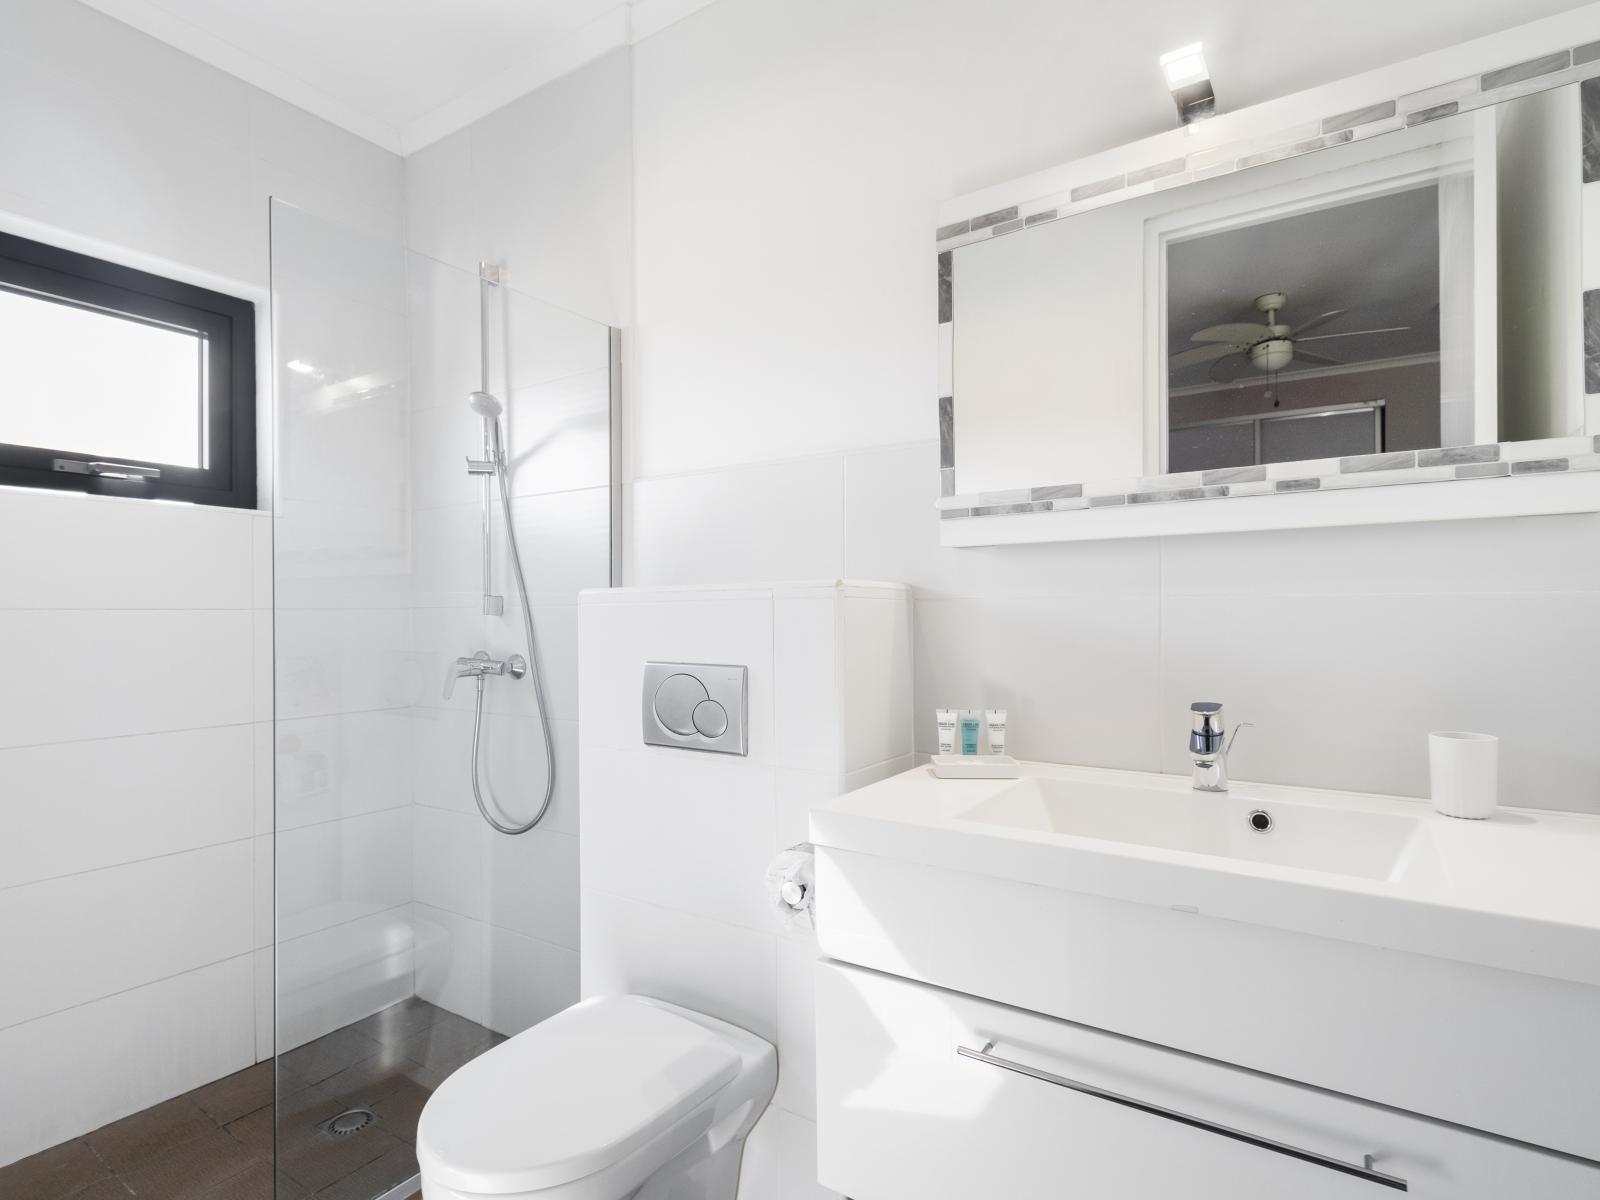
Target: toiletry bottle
946, 718
995, 718
969, 731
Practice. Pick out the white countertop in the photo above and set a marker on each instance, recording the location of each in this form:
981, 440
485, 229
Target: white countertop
1520, 891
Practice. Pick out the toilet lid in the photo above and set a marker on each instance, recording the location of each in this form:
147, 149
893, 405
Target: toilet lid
569, 1097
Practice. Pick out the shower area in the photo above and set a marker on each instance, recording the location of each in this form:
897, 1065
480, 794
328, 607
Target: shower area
444, 490
359, 869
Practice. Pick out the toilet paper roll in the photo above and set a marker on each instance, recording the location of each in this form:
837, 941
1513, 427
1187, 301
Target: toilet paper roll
791, 883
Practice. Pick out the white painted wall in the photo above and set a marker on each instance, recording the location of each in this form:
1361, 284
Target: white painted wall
539, 187
788, 166
675, 841
136, 686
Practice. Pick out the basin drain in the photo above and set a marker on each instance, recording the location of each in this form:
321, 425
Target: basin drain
1261, 820
352, 1120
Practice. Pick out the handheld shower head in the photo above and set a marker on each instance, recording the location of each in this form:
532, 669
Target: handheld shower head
484, 405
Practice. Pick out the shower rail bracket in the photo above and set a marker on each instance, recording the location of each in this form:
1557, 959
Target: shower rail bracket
494, 606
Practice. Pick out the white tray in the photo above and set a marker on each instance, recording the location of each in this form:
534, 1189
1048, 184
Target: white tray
975, 766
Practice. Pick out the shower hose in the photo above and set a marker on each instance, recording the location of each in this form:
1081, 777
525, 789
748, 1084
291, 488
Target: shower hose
504, 486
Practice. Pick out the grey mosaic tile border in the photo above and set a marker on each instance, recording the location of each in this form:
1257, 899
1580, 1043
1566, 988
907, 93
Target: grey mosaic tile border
1577, 64
1385, 115
1491, 461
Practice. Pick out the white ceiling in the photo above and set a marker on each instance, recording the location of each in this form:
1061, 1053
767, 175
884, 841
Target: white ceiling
400, 73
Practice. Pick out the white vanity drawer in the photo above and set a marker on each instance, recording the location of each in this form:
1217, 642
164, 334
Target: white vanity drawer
902, 1114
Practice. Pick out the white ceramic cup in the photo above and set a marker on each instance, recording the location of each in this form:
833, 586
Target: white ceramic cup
1465, 770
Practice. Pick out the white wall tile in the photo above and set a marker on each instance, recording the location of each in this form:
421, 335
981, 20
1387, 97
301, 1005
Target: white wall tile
438, 202
528, 980
451, 965
513, 764
125, 553
1078, 675
443, 437
341, 765
1527, 554
1426, 662
263, 888
319, 166
262, 770
126, 926
691, 832
339, 974
565, 542
340, 871
139, 1047
808, 707
79, 806
710, 966
555, 628
533, 885
166, 200
348, 660
554, 218
102, 674
798, 793
875, 644
545, 343
559, 433
779, 520
450, 860
797, 1027
266, 988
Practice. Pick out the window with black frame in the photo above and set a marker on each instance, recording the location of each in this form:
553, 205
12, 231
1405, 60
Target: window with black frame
121, 382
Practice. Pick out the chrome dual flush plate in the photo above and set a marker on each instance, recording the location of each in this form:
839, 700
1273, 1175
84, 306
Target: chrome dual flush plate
695, 706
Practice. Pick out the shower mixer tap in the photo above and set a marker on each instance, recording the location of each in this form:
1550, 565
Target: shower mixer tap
480, 666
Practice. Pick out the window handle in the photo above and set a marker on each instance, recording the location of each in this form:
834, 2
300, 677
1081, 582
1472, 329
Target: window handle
111, 470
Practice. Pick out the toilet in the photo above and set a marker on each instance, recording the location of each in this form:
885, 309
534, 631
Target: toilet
616, 1098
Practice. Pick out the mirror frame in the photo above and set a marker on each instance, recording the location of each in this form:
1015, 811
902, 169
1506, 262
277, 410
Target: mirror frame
1555, 475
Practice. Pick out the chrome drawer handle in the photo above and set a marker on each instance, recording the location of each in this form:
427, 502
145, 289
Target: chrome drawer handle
1363, 1171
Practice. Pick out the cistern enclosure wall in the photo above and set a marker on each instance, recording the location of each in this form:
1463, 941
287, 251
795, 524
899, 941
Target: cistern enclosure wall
674, 840
785, 355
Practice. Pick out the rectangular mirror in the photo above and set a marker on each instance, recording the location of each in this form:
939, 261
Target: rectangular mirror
1397, 299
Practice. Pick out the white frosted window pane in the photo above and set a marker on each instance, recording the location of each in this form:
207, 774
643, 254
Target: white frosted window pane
94, 384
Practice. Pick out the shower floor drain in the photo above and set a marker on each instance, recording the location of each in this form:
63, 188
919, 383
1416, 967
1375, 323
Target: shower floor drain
352, 1120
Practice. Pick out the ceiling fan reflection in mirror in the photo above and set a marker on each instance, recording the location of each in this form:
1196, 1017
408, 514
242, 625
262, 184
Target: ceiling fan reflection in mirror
1270, 347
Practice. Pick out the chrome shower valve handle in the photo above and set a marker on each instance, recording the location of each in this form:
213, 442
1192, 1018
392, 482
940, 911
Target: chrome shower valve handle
479, 666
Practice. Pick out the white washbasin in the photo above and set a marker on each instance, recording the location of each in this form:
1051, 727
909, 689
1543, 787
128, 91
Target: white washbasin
1516, 892
1368, 845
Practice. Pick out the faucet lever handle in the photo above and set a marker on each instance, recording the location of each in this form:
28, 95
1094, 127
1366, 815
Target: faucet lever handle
1205, 734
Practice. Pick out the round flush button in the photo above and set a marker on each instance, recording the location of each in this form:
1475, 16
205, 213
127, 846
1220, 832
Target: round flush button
710, 718
675, 702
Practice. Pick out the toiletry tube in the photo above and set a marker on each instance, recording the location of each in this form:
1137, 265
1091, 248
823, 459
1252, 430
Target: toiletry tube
969, 731
995, 719
1464, 769
946, 718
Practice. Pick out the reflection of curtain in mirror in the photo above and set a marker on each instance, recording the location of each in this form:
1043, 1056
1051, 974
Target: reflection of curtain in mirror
1456, 364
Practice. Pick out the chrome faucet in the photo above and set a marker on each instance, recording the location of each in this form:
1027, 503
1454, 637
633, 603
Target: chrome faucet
479, 666
1210, 746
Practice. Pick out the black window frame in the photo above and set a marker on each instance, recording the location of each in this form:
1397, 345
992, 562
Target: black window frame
228, 324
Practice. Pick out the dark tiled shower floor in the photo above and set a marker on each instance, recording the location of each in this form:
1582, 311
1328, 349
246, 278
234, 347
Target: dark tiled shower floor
215, 1143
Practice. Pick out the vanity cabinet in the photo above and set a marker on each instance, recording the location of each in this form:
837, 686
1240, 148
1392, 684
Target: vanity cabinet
934, 1095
